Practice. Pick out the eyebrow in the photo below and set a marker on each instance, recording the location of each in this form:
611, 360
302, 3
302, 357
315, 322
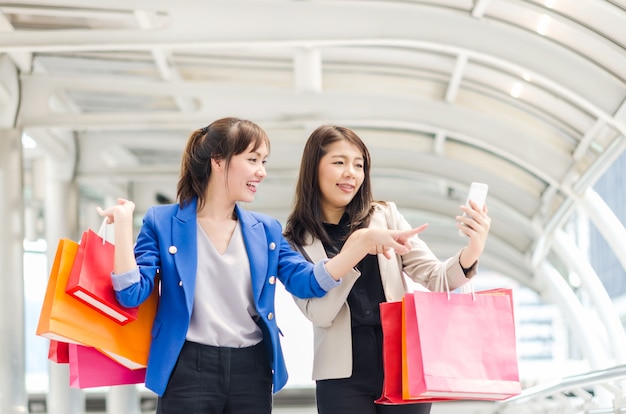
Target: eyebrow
345, 156
257, 153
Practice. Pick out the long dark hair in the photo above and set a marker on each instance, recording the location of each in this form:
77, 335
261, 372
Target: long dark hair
221, 140
306, 217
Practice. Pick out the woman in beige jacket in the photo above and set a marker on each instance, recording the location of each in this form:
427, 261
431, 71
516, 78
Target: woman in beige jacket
333, 198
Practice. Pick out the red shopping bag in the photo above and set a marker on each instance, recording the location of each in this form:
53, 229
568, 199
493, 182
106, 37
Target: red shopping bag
91, 368
58, 351
459, 346
391, 319
90, 278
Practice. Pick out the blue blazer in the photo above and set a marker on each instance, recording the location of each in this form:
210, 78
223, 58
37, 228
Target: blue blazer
167, 249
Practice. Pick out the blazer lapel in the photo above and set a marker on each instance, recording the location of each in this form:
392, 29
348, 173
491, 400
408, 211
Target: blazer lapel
255, 239
315, 251
185, 242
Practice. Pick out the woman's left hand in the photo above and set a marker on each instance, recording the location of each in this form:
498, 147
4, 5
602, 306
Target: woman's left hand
475, 224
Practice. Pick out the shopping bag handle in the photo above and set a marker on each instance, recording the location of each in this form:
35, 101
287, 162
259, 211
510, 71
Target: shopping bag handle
102, 231
468, 287
444, 286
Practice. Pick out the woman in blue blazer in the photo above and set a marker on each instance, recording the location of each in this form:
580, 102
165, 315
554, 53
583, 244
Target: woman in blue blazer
215, 342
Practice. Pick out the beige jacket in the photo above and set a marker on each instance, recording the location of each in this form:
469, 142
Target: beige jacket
330, 314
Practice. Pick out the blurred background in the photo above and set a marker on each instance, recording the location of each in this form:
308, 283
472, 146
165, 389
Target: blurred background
99, 97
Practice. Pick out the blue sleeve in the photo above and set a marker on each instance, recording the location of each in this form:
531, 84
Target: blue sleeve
133, 287
299, 276
123, 280
324, 278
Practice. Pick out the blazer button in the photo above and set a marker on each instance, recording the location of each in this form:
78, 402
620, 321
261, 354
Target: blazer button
272, 246
180, 283
272, 280
270, 316
172, 250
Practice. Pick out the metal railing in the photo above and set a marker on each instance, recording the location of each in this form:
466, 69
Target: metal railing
594, 392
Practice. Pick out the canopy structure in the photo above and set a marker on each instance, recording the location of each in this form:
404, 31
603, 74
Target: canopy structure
527, 96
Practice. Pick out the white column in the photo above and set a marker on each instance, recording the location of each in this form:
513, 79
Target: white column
308, 70
13, 396
61, 221
123, 399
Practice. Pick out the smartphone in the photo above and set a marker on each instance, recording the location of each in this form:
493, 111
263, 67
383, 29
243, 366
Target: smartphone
478, 194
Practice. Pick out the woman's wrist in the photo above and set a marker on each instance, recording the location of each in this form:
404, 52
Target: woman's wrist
466, 260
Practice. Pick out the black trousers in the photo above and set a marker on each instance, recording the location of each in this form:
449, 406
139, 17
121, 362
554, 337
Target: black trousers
218, 380
358, 393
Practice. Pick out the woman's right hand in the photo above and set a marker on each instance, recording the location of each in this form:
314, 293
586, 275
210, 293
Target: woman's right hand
122, 212
122, 215
385, 242
370, 241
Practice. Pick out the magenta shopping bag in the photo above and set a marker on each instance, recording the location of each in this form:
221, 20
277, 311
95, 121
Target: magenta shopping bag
91, 368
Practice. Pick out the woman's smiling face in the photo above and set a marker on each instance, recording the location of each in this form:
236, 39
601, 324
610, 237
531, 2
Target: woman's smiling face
340, 177
245, 173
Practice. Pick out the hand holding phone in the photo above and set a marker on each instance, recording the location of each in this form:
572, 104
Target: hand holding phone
478, 194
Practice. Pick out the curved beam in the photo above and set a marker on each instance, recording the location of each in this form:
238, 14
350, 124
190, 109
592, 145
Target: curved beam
402, 113
607, 224
414, 26
575, 260
577, 318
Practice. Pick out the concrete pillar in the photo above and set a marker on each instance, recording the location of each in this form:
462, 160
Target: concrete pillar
61, 220
13, 396
308, 70
123, 399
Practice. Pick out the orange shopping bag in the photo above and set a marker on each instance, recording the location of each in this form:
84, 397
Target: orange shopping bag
64, 318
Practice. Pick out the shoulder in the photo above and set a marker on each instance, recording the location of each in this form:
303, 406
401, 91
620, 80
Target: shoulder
163, 210
160, 214
384, 207
385, 214
264, 218
256, 217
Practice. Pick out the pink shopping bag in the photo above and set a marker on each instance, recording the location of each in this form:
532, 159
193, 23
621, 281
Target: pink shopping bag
91, 368
459, 346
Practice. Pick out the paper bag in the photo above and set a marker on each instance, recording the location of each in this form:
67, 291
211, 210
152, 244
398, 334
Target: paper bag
58, 352
90, 278
63, 318
91, 368
459, 346
391, 319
